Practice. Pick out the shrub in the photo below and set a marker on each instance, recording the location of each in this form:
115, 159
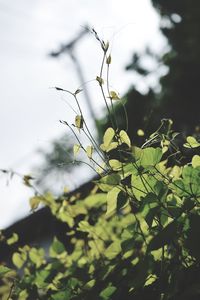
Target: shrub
136, 236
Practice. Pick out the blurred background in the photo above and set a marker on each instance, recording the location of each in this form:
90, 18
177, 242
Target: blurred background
155, 69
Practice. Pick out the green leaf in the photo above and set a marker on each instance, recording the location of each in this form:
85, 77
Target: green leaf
4, 270
41, 278
122, 200
89, 151
108, 182
34, 202
149, 208
189, 184
124, 138
95, 200
115, 164
56, 248
107, 140
112, 200
18, 259
107, 292
62, 295
140, 132
113, 250
84, 226
37, 256
113, 95
79, 122
23, 295
196, 161
13, 239
137, 152
111, 146
150, 156
191, 142
165, 236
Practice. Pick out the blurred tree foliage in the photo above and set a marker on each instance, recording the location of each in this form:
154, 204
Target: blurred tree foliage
57, 161
179, 97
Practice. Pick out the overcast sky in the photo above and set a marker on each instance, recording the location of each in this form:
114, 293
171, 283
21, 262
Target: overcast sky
30, 110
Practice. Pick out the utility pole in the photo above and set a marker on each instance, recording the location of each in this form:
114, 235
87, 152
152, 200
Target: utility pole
69, 49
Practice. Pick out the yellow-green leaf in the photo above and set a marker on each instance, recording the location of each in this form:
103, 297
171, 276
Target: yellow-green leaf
107, 140
79, 122
124, 138
34, 202
113, 250
114, 96
115, 164
18, 259
112, 200
4, 270
140, 132
37, 256
23, 295
13, 239
196, 161
108, 136
191, 142
89, 151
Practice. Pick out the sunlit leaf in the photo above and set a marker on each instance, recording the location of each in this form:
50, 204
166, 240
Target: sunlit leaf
108, 136
114, 96
115, 164
13, 239
95, 200
89, 151
37, 256
34, 202
196, 161
79, 122
191, 142
113, 250
56, 248
112, 200
107, 182
124, 138
18, 259
23, 295
140, 132
4, 270
107, 293
150, 156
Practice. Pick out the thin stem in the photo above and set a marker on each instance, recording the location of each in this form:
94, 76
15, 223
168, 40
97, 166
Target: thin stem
102, 90
81, 145
108, 90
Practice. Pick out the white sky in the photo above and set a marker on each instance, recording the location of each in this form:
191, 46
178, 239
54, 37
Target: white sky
30, 111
